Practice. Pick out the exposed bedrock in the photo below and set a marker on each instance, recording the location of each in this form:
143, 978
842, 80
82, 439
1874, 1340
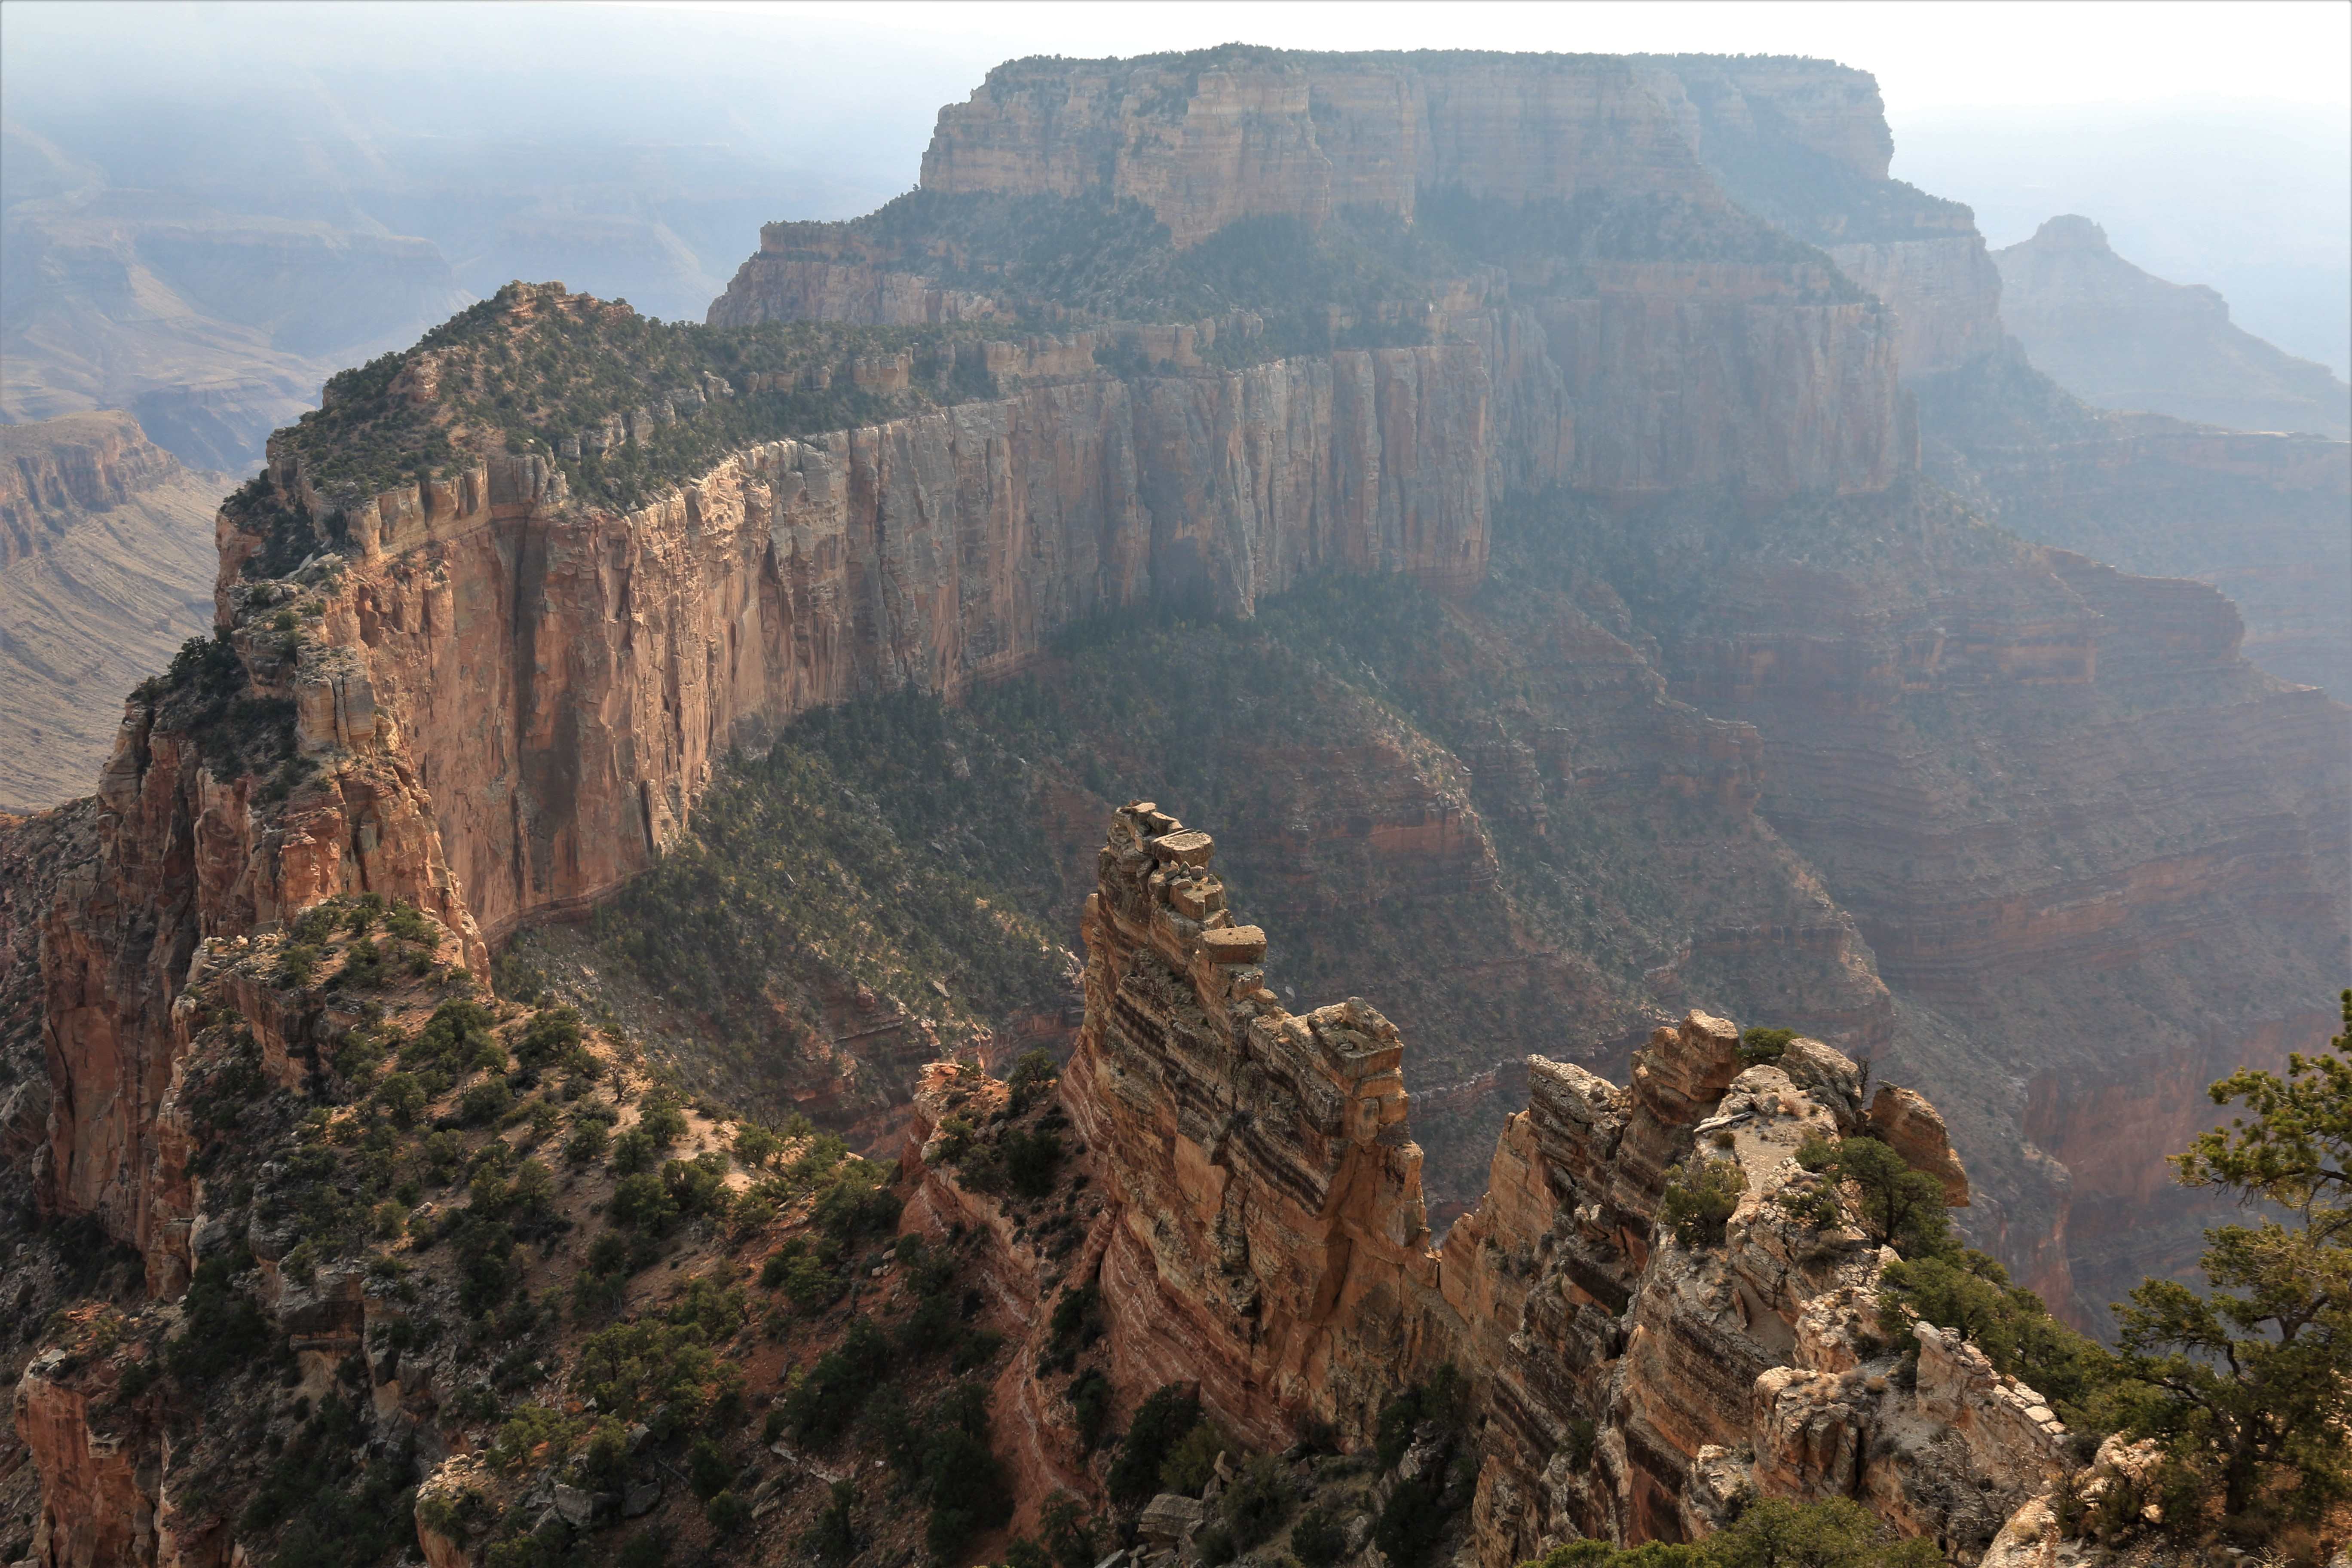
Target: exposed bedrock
1267, 1240
1263, 134
1945, 292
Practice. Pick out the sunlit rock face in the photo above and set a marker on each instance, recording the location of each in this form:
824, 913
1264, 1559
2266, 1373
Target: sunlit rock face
1265, 1238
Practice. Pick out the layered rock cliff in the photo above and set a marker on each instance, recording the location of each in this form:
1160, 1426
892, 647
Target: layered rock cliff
1805, 145
498, 689
1264, 1238
1206, 140
106, 564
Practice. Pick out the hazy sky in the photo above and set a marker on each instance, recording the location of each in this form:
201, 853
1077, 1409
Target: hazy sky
1925, 53
2214, 139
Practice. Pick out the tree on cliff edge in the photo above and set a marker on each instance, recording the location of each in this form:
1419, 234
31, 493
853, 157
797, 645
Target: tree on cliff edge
2247, 1384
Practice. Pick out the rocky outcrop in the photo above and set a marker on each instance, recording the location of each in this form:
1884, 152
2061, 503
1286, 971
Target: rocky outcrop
97, 1507
1268, 1237
106, 559
186, 850
1266, 1240
774, 285
2118, 338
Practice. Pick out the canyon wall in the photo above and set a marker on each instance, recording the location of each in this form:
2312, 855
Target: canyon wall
523, 695
2026, 787
1945, 292
2263, 517
508, 703
1204, 140
106, 561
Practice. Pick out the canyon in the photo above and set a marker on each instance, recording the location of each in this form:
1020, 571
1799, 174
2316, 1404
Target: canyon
1585, 640
107, 562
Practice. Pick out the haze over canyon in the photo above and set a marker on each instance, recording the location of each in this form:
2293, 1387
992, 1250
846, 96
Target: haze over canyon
603, 955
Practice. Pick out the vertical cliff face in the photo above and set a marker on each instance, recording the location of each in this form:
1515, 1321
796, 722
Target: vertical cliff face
501, 703
1945, 292
182, 855
1805, 145
1266, 1239
1204, 140
1269, 1238
565, 677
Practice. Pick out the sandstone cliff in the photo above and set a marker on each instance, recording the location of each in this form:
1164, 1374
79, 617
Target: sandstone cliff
496, 696
1805, 145
1206, 140
1264, 1238
106, 559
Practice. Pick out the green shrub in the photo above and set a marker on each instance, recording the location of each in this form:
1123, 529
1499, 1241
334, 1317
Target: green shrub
660, 1373
707, 1469
457, 1034
833, 1537
1258, 1502
857, 1202
755, 1145
402, 1098
1444, 1399
633, 1154
1031, 1161
727, 1515
1031, 1076
662, 1119
1192, 1458
485, 1102
587, 1145
1163, 1417
1899, 1206
1067, 1532
822, 1400
222, 1330
1090, 1404
1318, 1540
959, 1473
1970, 1294
1764, 1045
1700, 1197
698, 1186
553, 1035
643, 1201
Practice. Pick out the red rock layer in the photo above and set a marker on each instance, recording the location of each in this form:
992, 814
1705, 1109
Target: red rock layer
1266, 1240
